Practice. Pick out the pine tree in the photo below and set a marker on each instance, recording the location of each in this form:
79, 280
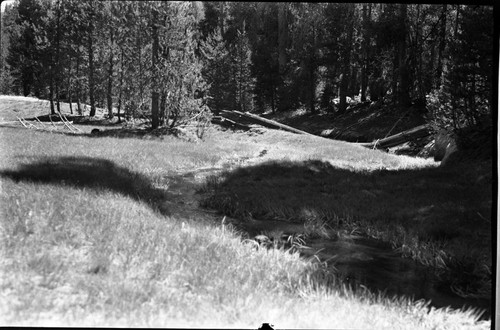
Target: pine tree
243, 79
216, 62
8, 28
26, 50
184, 89
465, 96
265, 58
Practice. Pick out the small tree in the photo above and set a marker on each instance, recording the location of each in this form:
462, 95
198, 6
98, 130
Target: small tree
179, 69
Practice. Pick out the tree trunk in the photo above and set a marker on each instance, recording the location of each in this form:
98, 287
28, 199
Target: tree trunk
417, 51
222, 17
1, 45
400, 138
273, 97
364, 45
58, 55
244, 118
455, 32
353, 82
312, 72
442, 45
58, 103
70, 89
121, 86
139, 105
239, 78
395, 73
346, 63
110, 76
154, 61
282, 38
163, 104
343, 93
403, 94
78, 104
51, 91
312, 88
90, 48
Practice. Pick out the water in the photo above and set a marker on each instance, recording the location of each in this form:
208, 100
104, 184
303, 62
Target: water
361, 261
358, 261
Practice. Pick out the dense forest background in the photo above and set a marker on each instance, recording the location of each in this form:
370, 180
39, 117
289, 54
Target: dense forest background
175, 61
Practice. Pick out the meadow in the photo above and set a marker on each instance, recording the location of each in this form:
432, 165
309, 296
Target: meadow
94, 234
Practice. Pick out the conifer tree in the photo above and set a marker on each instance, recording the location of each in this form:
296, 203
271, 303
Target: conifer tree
243, 79
27, 47
464, 98
216, 61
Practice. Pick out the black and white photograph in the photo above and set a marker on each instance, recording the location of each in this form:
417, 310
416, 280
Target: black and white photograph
250, 165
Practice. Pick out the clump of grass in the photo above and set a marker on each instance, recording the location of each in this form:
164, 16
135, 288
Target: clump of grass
277, 239
315, 225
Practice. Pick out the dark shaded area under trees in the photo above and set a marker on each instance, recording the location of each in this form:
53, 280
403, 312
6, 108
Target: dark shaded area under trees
182, 61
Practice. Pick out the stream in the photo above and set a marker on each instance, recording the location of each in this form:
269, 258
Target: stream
362, 261
358, 261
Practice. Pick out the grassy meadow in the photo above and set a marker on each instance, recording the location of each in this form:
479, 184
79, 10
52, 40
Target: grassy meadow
91, 236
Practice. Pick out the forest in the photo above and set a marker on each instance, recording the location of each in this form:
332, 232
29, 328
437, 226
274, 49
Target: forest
181, 61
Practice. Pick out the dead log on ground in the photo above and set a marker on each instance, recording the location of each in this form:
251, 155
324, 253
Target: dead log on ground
254, 119
229, 123
400, 138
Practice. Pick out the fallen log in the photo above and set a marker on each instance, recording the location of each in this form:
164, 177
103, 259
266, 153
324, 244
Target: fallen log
254, 119
229, 123
26, 123
21, 121
68, 124
400, 138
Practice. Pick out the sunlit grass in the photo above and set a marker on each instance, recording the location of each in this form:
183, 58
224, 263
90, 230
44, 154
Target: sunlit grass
107, 256
106, 252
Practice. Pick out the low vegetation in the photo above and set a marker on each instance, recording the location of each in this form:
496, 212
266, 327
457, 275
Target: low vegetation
438, 216
89, 238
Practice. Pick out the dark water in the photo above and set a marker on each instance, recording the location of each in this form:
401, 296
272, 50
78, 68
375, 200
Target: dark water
367, 262
374, 265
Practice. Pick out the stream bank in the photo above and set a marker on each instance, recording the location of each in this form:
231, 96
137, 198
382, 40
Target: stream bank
358, 261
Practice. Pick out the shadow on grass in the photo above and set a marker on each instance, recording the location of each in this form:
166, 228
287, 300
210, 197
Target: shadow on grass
409, 197
364, 122
141, 132
93, 173
440, 217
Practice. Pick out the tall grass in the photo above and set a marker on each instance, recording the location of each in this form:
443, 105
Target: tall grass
430, 215
102, 252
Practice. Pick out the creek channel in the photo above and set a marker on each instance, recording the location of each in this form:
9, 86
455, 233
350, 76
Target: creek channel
358, 261
373, 264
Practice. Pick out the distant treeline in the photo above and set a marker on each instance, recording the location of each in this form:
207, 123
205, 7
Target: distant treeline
177, 61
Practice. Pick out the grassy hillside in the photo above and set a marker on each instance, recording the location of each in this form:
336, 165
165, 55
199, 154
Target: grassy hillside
12, 107
106, 232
